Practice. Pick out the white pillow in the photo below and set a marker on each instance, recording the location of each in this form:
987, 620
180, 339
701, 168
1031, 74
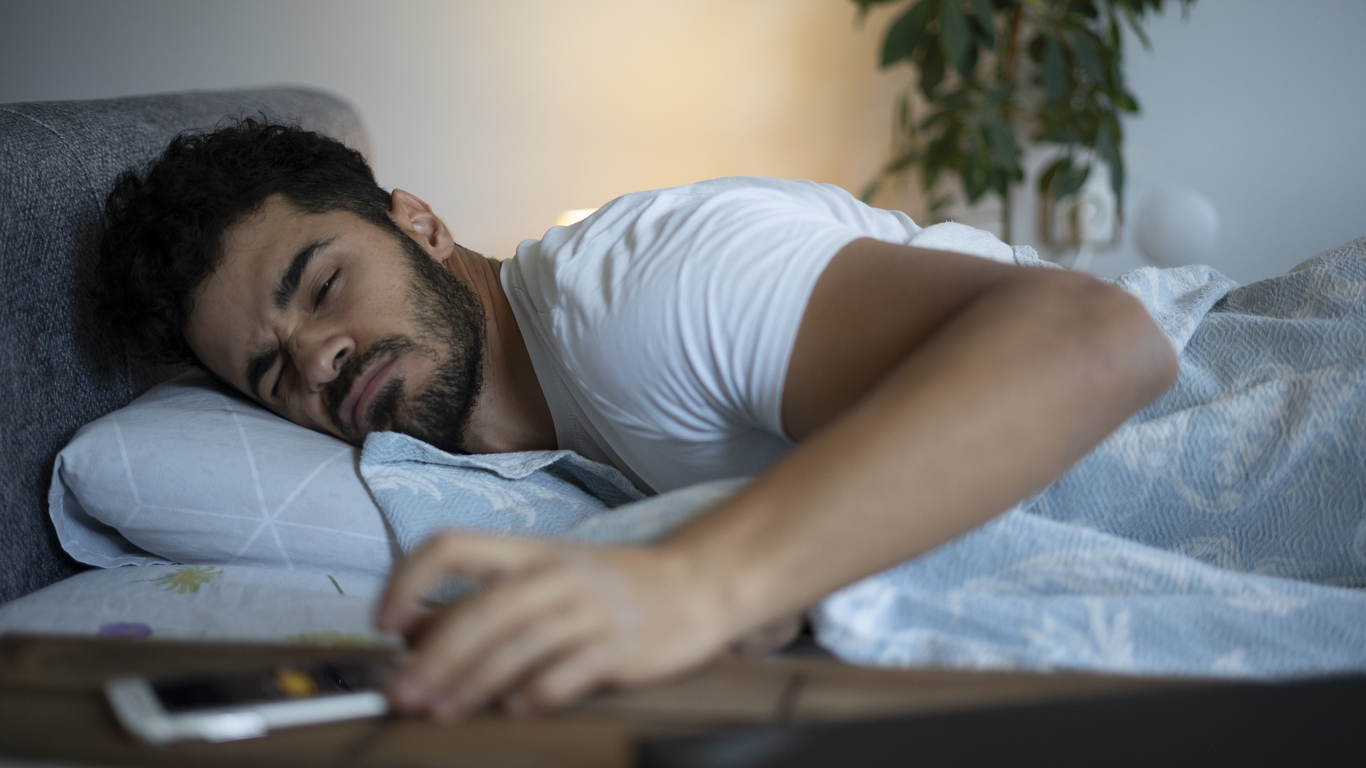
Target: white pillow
192, 473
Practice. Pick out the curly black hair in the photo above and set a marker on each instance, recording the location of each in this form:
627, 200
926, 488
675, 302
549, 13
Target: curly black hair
163, 228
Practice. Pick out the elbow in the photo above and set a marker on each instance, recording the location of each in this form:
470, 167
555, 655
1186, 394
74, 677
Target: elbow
1166, 365
1135, 352
1126, 355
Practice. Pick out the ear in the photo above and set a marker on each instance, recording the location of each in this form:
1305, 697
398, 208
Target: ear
415, 218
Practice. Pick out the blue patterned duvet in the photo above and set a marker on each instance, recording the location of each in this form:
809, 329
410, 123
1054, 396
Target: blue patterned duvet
1221, 531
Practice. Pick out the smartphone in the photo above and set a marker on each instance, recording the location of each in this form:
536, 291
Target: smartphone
226, 707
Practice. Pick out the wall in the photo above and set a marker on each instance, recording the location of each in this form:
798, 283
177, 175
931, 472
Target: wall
502, 114
1260, 105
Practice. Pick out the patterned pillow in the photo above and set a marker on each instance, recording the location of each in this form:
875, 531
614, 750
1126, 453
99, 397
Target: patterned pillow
204, 602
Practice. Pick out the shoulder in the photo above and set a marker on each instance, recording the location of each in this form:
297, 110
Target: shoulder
647, 236
662, 261
645, 245
682, 302
731, 196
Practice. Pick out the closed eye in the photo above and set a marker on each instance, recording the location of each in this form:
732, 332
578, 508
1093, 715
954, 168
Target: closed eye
322, 292
275, 389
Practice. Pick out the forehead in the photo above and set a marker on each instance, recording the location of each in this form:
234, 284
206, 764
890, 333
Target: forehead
233, 310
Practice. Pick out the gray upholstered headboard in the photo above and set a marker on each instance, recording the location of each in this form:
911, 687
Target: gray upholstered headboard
58, 160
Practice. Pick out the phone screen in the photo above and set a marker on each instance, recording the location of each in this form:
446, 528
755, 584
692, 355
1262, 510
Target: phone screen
282, 682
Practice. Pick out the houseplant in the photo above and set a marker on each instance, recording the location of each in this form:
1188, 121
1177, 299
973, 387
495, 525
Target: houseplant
995, 73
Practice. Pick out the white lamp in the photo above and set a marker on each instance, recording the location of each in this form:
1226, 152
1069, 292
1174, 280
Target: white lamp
1177, 226
573, 216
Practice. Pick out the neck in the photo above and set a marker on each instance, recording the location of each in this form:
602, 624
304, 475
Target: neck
511, 413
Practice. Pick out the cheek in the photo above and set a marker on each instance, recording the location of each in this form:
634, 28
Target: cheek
391, 310
304, 410
210, 353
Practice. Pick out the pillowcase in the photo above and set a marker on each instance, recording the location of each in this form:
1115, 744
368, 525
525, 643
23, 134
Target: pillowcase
204, 602
193, 473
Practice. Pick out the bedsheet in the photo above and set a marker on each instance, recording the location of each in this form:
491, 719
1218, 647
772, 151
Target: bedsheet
1219, 532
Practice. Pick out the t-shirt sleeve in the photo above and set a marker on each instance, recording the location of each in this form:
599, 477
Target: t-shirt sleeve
689, 302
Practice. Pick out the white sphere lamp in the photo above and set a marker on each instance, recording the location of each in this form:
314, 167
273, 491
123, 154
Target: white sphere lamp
1177, 226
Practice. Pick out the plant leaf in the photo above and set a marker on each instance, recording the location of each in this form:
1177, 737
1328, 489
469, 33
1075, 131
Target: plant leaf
904, 114
971, 63
986, 21
1108, 148
941, 153
906, 33
903, 161
1001, 141
1083, 47
1052, 73
969, 132
1136, 25
931, 67
939, 204
1046, 178
977, 173
1069, 179
953, 34
1061, 135
870, 191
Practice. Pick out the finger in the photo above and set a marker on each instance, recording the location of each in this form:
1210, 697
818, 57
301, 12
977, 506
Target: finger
770, 637
512, 660
468, 631
449, 553
419, 624
564, 680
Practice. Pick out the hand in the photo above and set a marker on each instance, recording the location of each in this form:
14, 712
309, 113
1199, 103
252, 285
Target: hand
551, 623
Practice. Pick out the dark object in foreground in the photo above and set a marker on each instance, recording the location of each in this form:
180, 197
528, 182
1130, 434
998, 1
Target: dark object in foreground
1318, 723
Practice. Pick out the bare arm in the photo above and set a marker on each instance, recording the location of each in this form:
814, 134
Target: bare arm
930, 391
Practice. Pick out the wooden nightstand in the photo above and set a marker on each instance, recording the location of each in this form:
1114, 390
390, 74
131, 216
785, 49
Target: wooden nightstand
52, 707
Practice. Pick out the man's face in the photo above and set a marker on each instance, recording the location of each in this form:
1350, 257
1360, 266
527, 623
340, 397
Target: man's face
341, 326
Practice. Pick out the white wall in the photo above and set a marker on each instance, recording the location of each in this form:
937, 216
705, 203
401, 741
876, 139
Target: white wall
502, 113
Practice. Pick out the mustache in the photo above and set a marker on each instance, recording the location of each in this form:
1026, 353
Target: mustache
336, 391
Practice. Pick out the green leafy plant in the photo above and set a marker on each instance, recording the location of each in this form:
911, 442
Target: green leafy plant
994, 71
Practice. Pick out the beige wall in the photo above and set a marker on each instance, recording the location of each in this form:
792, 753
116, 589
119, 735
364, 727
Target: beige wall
502, 113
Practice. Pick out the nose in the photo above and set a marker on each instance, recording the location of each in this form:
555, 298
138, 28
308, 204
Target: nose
320, 356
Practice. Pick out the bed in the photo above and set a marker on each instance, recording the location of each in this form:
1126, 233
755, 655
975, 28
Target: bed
191, 476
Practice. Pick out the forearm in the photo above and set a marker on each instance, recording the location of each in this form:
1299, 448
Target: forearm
1000, 401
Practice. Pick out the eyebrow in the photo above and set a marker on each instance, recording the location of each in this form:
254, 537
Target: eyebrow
285, 289
289, 280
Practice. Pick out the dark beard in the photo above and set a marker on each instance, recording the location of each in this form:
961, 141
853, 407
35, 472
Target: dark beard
449, 313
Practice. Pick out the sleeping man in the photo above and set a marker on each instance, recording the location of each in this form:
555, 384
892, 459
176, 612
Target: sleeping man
887, 397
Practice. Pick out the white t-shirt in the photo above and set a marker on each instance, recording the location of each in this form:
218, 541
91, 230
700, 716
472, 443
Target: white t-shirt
661, 326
